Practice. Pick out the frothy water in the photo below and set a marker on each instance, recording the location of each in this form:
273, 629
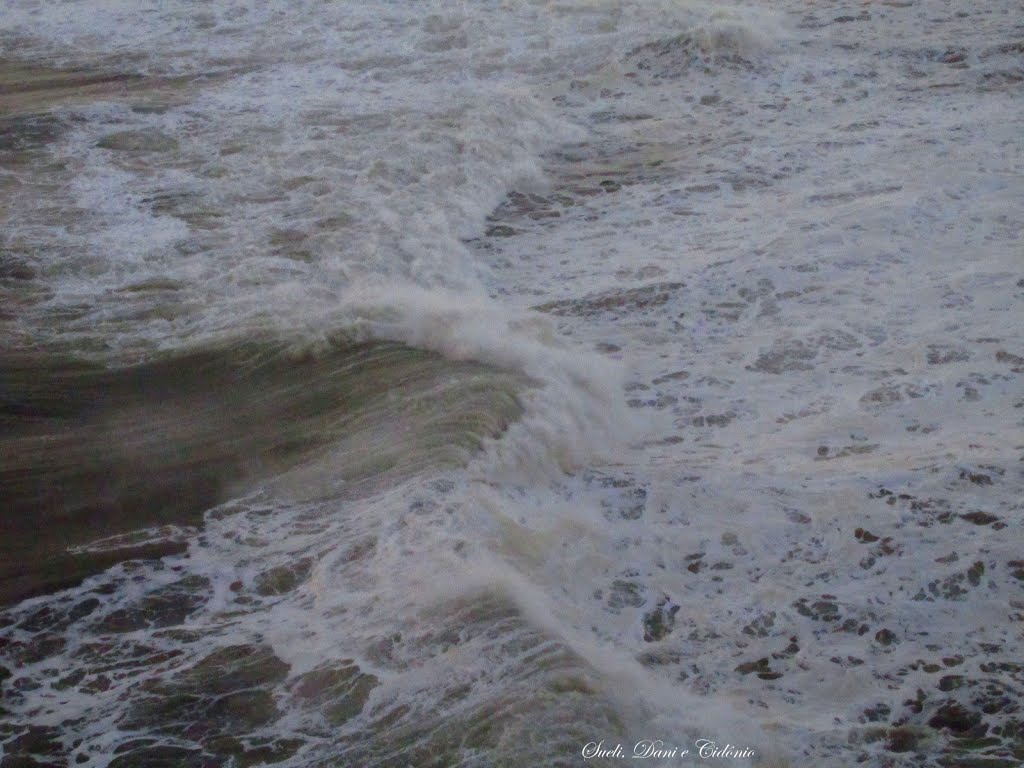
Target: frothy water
502, 383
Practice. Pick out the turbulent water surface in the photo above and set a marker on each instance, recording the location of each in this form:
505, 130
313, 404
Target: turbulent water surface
464, 384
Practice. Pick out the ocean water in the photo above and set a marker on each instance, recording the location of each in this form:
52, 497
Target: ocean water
513, 381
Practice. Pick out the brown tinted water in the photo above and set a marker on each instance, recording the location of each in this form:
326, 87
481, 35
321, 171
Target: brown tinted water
88, 453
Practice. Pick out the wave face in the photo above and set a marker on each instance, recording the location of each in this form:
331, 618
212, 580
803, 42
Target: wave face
496, 384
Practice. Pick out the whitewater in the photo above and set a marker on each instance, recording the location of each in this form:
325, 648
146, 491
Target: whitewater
521, 383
